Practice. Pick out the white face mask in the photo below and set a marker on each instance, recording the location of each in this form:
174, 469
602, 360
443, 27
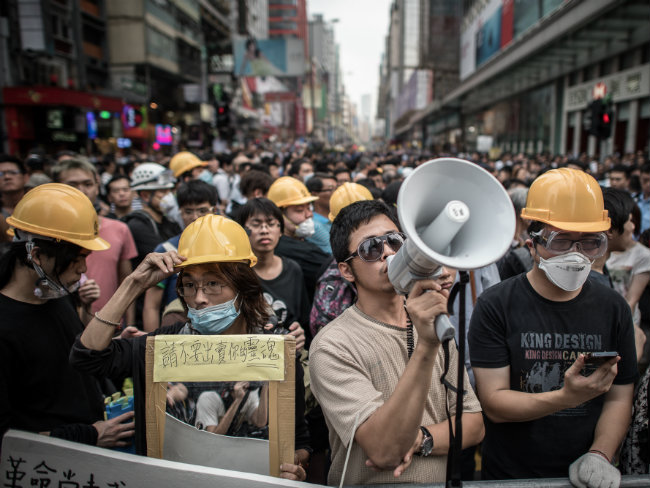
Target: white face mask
306, 228
567, 271
168, 203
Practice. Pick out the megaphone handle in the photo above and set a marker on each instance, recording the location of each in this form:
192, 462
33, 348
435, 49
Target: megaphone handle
444, 329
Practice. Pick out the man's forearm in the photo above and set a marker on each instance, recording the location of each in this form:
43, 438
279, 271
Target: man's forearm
473, 432
391, 430
614, 420
517, 406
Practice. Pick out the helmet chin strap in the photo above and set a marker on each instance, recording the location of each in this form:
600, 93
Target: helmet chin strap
45, 287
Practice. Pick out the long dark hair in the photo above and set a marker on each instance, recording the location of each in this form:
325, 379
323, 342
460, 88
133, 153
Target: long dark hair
242, 279
64, 253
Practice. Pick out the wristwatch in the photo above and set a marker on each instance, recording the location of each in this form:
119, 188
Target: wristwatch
427, 443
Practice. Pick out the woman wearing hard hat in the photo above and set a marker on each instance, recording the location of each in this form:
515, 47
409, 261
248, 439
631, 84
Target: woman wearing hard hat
222, 295
55, 228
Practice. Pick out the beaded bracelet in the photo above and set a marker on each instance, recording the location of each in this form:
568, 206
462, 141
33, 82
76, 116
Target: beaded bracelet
107, 322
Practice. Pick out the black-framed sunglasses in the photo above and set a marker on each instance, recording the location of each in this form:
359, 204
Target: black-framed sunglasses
372, 249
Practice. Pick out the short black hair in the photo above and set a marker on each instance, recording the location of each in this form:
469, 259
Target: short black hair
315, 183
645, 168
619, 205
194, 192
115, 178
389, 195
620, 168
259, 206
534, 227
350, 218
8, 158
255, 180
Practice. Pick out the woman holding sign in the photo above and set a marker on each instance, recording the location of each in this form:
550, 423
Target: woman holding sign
222, 296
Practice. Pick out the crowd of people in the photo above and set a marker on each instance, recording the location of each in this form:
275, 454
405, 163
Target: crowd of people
98, 253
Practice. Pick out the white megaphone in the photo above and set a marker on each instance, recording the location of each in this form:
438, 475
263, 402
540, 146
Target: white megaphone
454, 214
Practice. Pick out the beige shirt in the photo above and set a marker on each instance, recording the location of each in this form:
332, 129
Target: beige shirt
355, 364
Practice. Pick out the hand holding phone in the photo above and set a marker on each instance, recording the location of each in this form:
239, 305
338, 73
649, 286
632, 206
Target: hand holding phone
599, 357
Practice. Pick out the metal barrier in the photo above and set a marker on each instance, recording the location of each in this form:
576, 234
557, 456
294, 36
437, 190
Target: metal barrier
629, 481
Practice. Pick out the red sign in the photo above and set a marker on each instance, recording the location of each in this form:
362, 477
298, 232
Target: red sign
271, 97
599, 91
300, 120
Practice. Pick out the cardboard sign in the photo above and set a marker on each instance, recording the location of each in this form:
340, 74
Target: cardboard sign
173, 353
218, 358
36, 460
187, 444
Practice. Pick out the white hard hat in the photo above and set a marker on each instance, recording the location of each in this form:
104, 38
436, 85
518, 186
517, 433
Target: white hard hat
152, 176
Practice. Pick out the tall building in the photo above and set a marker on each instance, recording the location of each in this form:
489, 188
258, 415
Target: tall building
420, 61
322, 75
54, 65
528, 71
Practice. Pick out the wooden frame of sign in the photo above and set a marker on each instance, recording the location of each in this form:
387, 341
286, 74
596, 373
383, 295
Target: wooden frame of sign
281, 401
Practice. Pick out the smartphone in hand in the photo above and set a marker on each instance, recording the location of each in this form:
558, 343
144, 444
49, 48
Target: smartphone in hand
599, 357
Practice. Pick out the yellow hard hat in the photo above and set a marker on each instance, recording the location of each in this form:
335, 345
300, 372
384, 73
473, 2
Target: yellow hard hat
568, 199
215, 239
61, 212
183, 162
346, 194
287, 191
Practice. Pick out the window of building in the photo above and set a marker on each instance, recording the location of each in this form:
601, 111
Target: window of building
161, 45
285, 13
626, 60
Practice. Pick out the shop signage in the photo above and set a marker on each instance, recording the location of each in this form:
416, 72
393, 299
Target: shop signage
61, 136
55, 119
627, 85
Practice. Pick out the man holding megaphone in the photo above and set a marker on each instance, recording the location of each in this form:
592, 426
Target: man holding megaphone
553, 354
376, 378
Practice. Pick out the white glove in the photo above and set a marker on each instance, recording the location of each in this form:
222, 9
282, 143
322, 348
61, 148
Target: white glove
592, 470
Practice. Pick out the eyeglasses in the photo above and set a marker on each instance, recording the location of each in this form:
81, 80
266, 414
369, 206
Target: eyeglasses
9, 172
372, 249
190, 289
201, 211
257, 224
591, 245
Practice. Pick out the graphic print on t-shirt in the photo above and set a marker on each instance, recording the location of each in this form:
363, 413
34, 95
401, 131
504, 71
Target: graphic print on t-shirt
279, 307
548, 355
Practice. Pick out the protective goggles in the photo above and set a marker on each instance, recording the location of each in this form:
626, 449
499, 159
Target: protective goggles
372, 249
592, 245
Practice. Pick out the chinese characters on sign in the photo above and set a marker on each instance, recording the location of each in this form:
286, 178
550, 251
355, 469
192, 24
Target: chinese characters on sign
219, 358
21, 474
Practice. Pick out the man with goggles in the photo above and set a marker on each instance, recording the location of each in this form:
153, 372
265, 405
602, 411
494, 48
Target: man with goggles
550, 412
376, 369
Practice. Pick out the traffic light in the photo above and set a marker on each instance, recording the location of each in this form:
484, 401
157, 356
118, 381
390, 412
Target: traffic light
600, 117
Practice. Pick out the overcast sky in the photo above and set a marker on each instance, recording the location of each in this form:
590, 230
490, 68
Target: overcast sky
361, 32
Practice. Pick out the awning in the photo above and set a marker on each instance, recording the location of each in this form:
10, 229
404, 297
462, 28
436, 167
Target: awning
49, 95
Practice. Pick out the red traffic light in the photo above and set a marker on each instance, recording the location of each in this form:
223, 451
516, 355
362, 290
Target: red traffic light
606, 118
221, 110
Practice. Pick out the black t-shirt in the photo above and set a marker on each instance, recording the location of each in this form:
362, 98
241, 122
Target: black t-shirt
539, 339
147, 233
39, 390
309, 257
287, 295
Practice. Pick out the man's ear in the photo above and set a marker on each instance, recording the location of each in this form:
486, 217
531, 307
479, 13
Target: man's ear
610, 234
346, 271
530, 244
35, 256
